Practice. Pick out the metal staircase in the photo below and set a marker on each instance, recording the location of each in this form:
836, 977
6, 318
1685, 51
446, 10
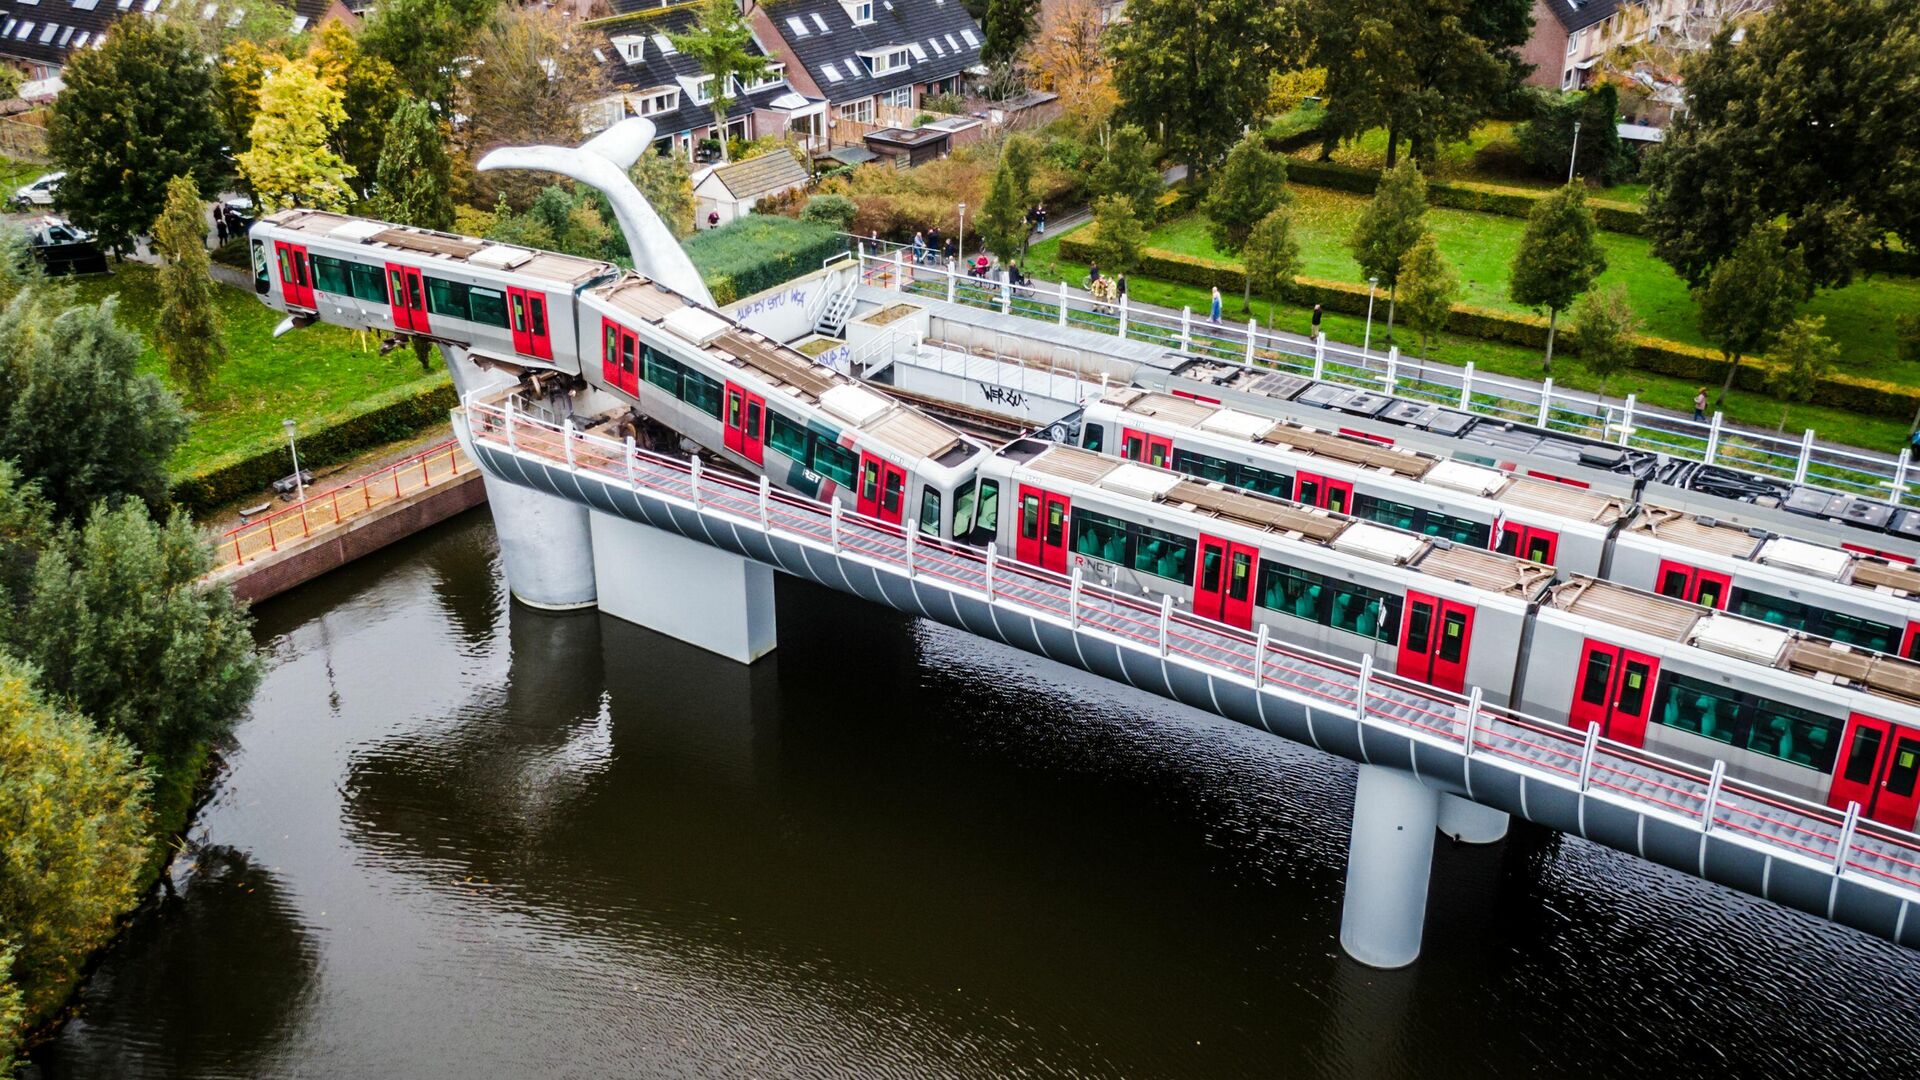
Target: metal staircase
833, 317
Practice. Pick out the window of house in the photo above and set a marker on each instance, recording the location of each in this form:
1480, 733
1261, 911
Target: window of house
633, 48
858, 111
860, 11
703, 90
901, 98
887, 61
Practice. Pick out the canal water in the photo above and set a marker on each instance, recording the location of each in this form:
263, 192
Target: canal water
460, 838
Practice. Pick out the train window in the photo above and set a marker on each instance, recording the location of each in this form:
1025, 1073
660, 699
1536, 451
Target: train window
787, 436
662, 370
704, 394
1030, 516
1787, 732
1857, 631
1834, 624
930, 511
367, 283
1790, 734
1210, 561
1162, 554
612, 348
262, 273
1093, 436
1204, 466
1674, 583
486, 306
330, 275
1697, 706
1240, 579
538, 306
1373, 614
1131, 448
1906, 763
1633, 687
1420, 631
976, 514
869, 479
1100, 537
1593, 681
1864, 755
1266, 483
1453, 636
892, 489
1056, 523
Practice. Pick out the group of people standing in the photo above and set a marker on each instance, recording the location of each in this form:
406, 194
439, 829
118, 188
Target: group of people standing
931, 247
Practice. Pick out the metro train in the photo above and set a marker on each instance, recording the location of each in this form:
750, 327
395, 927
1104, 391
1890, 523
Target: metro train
1864, 600
1816, 718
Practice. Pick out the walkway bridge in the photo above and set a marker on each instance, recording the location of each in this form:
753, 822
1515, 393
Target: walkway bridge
1417, 746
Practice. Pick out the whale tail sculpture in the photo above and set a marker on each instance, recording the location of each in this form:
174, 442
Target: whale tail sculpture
602, 163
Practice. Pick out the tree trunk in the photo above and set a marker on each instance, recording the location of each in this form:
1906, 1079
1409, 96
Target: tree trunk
1732, 367
1393, 144
1392, 294
1246, 294
1425, 338
1784, 409
1553, 318
720, 129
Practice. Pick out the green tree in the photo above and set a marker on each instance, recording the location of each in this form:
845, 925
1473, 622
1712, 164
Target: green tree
370, 93
236, 89
532, 75
189, 331
1003, 221
1430, 288
834, 211
1547, 140
1750, 296
663, 179
26, 528
1428, 71
1195, 72
1131, 168
1394, 220
68, 375
423, 39
13, 1002
1794, 124
721, 42
290, 162
136, 112
73, 839
1801, 356
415, 175
1117, 236
121, 624
1558, 258
1272, 256
1251, 185
1008, 25
18, 268
1604, 327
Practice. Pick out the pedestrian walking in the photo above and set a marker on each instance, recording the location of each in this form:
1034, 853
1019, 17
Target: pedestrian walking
1700, 405
1040, 217
1093, 274
919, 247
953, 249
1215, 310
220, 224
1316, 320
1120, 286
934, 244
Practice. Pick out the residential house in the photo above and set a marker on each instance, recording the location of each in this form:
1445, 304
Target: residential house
654, 80
1570, 37
872, 60
37, 36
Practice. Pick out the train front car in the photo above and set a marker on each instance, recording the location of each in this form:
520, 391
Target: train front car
1539, 520
767, 409
1440, 613
1799, 714
500, 302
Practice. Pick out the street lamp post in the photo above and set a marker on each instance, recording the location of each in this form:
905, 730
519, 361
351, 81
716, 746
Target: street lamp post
1367, 342
960, 244
299, 484
1575, 156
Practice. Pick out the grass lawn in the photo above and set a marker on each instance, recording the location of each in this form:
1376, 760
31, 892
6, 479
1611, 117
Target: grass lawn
1490, 155
310, 375
1481, 246
17, 174
1874, 432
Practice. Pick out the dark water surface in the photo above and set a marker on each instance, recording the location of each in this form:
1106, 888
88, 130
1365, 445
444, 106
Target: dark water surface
460, 838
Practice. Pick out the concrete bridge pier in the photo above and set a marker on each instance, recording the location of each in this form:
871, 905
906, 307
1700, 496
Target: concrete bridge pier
702, 595
1389, 861
1467, 822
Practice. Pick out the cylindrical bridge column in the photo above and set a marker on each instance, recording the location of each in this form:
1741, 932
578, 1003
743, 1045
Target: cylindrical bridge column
1467, 822
1388, 864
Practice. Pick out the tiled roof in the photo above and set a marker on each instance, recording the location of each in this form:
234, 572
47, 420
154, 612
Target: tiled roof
762, 175
942, 39
48, 31
661, 66
1577, 15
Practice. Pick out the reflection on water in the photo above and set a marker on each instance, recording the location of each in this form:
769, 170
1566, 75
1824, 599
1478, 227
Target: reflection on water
462, 838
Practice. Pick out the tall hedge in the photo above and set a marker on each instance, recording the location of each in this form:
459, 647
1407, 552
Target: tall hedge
1657, 355
757, 252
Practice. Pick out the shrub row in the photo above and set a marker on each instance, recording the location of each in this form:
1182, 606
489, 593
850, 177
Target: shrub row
1462, 195
1655, 355
757, 252
396, 415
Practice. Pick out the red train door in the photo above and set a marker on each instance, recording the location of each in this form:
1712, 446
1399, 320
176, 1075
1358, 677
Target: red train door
882, 492
1527, 542
1041, 539
1325, 492
621, 364
1612, 689
296, 284
1879, 762
527, 313
1223, 581
743, 413
1155, 450
1703, 587
1910, 641
408, 294
1435, 640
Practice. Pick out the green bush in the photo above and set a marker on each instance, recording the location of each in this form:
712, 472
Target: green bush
757, 252
233, 253
834, 211
1656, 355
341, 437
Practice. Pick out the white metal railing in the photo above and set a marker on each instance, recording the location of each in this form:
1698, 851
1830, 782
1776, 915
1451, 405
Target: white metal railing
1800, 458
1837, 843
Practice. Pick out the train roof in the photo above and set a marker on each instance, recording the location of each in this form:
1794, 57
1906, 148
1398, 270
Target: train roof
551, 266
1474, 567
791, 374
1741, 638
1784, 552
1287, 435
